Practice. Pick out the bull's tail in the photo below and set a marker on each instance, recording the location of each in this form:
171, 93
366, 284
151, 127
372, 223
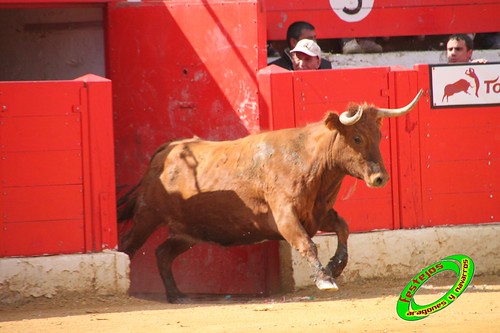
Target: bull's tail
126, 204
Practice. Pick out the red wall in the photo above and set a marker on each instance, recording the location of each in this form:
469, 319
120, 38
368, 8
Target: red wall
56, 167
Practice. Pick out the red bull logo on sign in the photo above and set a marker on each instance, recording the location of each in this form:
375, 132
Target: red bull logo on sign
465, 85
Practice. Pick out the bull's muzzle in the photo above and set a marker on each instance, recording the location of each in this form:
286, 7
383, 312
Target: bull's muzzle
376, 176
378, 179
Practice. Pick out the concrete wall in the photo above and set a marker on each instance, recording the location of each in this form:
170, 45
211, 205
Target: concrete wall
400, 253
105, 273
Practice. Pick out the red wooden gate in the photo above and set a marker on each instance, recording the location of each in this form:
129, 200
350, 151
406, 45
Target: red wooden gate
56, 167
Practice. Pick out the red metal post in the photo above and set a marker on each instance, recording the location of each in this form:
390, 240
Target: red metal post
98, 136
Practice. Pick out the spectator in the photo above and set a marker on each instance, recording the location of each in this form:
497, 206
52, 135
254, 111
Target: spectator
459, 48
296, 32
306, 55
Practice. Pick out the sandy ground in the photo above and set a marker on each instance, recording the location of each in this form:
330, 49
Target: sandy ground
358, 307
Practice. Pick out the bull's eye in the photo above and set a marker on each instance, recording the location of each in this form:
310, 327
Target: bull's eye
357, 139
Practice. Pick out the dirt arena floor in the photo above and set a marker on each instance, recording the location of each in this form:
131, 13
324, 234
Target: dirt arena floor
358, 307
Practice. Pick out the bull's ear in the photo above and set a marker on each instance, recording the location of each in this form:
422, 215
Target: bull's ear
332, 121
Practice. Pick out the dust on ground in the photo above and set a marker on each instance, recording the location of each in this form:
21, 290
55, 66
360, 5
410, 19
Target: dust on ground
368, 306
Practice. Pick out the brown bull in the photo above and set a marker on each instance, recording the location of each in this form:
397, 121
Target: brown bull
269, 186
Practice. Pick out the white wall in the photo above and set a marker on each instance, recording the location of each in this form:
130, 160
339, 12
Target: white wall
105, 273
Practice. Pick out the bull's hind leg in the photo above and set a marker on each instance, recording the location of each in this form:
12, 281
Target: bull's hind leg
165, 256
131, 241
333, 222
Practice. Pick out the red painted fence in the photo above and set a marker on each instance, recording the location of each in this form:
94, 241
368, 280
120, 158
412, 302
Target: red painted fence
57, 187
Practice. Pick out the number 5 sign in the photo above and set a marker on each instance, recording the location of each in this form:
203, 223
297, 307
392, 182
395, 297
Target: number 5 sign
352, 10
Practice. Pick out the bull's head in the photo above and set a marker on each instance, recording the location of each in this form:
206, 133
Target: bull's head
356, 149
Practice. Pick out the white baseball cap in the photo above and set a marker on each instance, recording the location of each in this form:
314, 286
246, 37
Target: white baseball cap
309, 47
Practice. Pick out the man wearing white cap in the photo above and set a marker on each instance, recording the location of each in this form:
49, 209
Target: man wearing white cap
297, 31
306, 55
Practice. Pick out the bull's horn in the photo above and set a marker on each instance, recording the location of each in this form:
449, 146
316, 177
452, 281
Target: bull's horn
351, 120
386, 113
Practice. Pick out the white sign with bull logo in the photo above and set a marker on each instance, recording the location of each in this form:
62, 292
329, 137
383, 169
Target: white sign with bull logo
465, 84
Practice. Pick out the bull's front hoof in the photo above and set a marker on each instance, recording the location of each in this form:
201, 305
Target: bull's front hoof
327, 285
